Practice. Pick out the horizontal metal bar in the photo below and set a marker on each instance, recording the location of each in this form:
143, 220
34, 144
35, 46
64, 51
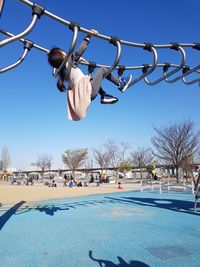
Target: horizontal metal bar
101, 36
108, 38
43, 49
23, 40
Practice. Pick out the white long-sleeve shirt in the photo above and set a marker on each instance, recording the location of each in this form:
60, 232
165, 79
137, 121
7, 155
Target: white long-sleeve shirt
79, 86
75, 75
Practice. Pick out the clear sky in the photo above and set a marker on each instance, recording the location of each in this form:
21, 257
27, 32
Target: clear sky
33, 112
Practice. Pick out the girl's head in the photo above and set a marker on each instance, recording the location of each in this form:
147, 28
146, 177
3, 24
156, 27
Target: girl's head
55, 59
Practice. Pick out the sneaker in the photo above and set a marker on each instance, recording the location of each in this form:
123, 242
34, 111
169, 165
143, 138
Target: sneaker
108, 99
124, 83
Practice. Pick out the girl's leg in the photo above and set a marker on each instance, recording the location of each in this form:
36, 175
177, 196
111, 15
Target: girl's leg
97, 81
101, 91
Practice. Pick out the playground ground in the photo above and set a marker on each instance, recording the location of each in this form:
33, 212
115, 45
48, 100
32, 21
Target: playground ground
131, 228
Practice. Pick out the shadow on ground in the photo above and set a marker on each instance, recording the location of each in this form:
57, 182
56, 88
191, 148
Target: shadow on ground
122, 262
183, 206
9, 213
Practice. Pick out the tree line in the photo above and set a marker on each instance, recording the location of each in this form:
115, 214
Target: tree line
175, 144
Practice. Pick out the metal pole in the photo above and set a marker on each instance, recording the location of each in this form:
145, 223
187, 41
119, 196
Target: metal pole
71, 50
43, 49
117, 59
178, 68
160, 184
195, 205
101, 36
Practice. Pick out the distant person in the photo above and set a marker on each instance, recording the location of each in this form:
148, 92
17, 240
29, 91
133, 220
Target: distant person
71, 183
13, 180
100, 178
91, 179
119, 185
54, 184
79, 184
154, 174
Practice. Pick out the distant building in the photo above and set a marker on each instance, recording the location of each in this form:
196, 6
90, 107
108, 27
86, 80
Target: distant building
11, 170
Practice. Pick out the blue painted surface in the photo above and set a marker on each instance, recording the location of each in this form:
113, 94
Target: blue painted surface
137, 229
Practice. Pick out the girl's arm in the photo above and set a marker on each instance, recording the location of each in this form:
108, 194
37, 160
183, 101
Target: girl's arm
84, 45
83, 60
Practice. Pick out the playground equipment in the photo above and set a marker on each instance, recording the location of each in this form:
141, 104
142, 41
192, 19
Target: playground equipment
165, 185
169, 69
170, 185
146, 184
197, 196
196, 192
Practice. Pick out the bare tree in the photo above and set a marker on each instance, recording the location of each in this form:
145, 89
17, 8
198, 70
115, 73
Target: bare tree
101, 157
5, 158
141, 158
175, 143
188, 167
44, 162
117, 153
74, 159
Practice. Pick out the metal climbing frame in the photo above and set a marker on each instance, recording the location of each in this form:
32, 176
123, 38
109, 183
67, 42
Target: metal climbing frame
27, 47
169, 69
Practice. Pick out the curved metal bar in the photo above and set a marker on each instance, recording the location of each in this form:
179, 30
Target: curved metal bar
117, 59
19, 61
71, 50
101, 36
191, 70
165, 76
22, 34
43, 49
23, 40
150, 70
139, 45
193, 81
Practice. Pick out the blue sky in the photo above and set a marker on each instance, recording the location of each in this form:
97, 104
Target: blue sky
33, 112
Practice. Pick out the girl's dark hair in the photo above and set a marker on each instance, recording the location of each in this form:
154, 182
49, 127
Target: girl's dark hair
55, 59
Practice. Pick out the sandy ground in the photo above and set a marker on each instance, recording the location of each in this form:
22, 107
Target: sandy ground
11, 194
